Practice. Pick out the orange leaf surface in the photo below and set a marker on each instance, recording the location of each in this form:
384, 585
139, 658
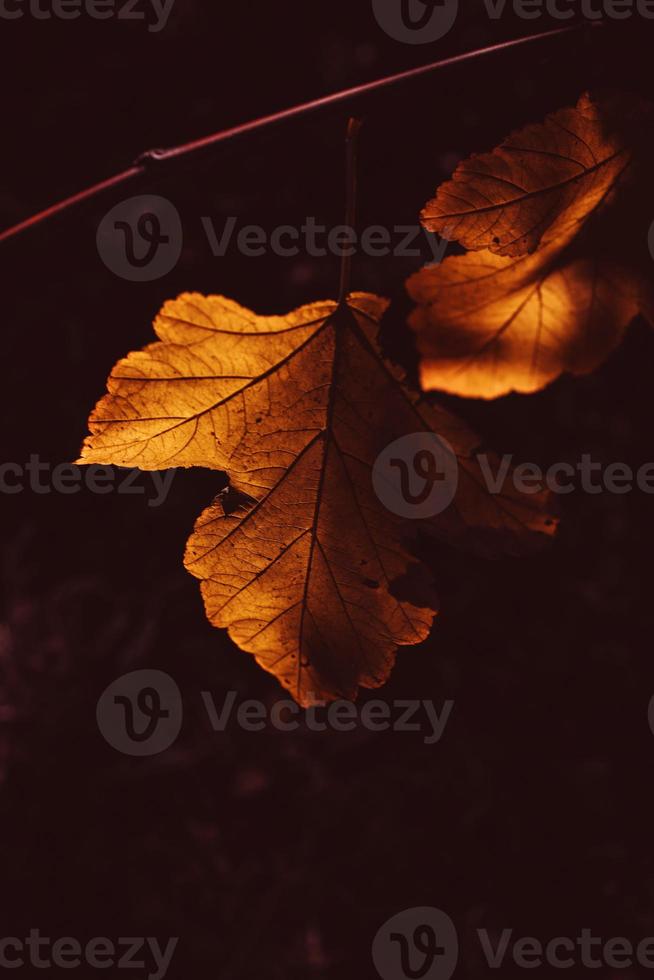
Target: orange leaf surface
504, 317
488, 325
310, 571
540, 183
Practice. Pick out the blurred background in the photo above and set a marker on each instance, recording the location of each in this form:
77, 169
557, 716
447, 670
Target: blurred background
277, 855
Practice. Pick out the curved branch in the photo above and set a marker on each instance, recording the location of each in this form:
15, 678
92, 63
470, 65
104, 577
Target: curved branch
146, 161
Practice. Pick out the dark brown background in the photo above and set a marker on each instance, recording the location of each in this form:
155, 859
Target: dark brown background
271, 855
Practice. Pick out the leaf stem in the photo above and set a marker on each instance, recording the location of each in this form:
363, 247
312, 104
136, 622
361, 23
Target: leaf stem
351, 159
154, 159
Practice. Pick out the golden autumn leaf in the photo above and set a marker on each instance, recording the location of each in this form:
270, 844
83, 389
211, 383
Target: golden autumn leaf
538, 184
504, 317
488, 325
309, 570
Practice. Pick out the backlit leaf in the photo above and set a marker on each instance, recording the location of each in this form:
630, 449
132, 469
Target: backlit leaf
488, 324
309, 570
540, 183
553, 277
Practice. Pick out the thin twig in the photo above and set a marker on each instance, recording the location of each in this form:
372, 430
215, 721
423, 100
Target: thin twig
351, 153
152, 158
